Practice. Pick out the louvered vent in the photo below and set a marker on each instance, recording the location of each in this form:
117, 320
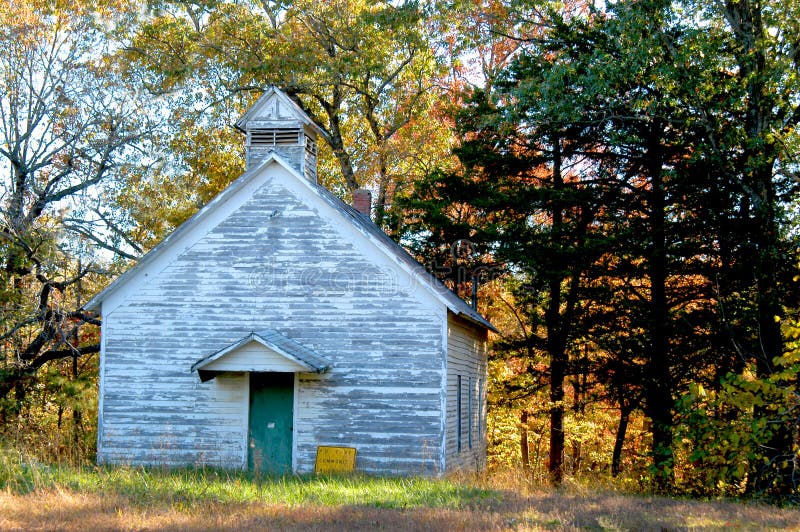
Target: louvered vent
275, 137
311, 147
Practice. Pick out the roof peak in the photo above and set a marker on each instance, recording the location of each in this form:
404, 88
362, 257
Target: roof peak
276, 106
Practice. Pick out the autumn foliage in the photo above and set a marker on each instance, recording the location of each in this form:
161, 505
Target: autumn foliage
620, 181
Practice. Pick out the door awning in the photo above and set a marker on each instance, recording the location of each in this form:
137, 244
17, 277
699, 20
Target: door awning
264, 351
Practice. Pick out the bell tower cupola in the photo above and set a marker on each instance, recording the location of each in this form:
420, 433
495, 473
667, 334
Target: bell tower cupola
276, 124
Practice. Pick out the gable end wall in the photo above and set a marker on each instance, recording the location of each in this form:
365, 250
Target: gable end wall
278, 261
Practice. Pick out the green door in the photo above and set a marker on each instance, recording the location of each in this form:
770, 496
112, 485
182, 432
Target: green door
270, 431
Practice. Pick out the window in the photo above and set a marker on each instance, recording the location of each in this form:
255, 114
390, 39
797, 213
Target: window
480, 408
458, 414
469, 413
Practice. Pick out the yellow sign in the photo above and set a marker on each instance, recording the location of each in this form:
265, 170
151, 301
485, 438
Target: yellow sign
335, 459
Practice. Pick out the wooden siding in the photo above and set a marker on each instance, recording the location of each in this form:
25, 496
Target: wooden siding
254, 357
466, 358
294, 155
281, 259
310, 166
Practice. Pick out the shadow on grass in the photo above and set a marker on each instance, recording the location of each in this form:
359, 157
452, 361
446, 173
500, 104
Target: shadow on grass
34, 495
67, 510
614, 511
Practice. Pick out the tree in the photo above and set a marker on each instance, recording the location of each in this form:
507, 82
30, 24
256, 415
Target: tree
478, 39
640, 83
522, 194
758, 46
641, 100
65, 132
364, 71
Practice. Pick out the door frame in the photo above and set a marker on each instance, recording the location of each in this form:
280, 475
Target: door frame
295, 404
246, 410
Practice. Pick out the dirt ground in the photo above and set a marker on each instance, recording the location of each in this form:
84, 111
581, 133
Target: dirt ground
63, 510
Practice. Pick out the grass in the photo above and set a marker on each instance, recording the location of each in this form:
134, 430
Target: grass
35, 495
144, 486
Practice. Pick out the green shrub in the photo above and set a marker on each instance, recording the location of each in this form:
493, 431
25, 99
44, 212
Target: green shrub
721, 433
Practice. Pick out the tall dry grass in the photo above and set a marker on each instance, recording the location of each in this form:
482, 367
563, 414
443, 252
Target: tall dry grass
63, 509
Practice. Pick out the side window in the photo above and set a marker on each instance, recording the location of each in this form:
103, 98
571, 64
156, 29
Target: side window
458, 414
480, 409
469, 412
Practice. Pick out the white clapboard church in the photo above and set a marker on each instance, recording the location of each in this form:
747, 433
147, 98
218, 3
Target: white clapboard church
279, 319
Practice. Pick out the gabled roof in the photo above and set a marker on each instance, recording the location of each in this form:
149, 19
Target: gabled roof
456, 305
185, 227
391, 248
271, 94
292, 351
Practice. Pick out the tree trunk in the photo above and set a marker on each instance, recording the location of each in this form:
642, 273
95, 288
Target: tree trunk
335, 138
77, 415
555, 335
523, 441
760, 121
557, 420
777, 476
578, 385
343, 157
382, 201
657, 381
619, 441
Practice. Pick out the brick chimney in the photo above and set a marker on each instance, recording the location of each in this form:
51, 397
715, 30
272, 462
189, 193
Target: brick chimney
362, 201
